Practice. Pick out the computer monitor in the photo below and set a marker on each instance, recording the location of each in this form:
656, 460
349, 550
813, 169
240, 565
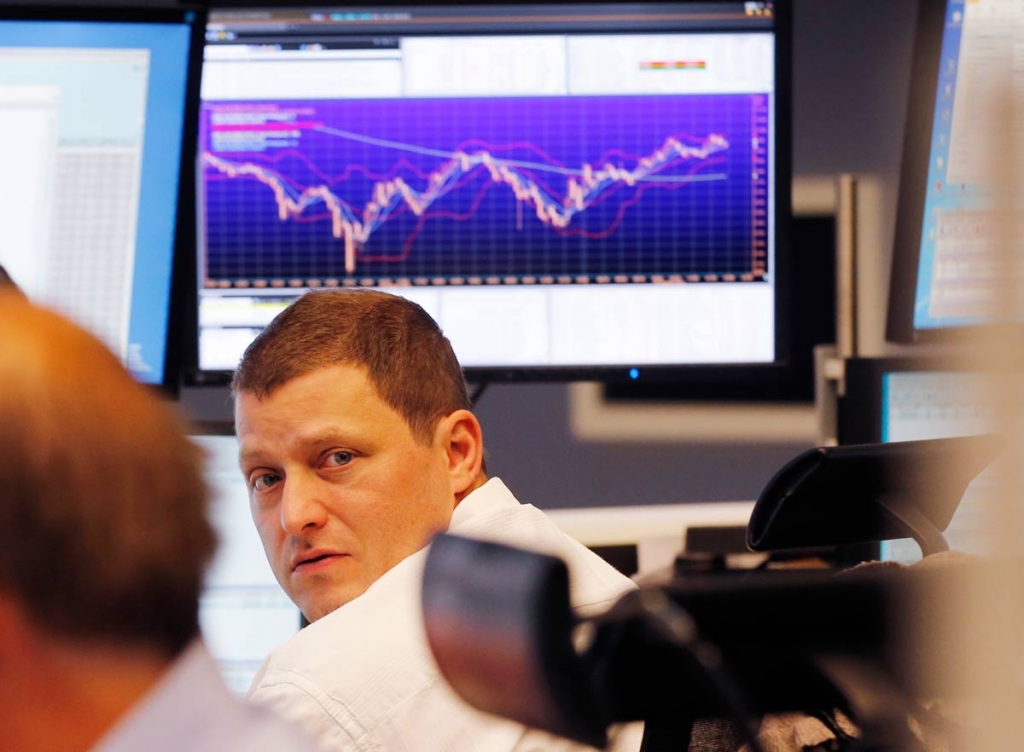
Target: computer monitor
573, 190
911, 398
243, 612
97, 111
948, 224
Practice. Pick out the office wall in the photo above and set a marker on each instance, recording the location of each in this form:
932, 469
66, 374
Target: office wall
851, 65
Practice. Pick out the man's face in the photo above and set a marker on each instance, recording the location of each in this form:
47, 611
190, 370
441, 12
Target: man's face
339, 488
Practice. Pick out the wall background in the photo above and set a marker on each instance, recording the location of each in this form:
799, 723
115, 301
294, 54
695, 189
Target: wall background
851, 65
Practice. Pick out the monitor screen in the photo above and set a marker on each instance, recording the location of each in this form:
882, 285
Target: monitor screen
906, 399
243, 612
96, 108
936, 405
948, 222
568, 189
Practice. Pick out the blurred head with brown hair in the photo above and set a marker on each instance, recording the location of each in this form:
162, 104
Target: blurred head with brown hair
104, 537
356, 440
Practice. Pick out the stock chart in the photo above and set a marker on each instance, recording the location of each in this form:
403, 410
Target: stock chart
497, 189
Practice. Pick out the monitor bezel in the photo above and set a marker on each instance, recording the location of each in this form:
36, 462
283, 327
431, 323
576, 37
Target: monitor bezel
168, 385
917, 139
699, 375
860, 408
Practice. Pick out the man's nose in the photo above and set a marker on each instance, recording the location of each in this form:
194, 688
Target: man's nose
302, 508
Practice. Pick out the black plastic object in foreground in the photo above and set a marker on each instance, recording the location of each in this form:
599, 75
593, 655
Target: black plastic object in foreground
836, 496
727, 647
499, 623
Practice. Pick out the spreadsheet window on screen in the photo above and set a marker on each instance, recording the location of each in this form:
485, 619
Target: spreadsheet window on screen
92, 122
956, 277
557, 185
935, 405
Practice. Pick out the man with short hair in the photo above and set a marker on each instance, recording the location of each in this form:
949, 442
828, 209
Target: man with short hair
104, 539
358, 444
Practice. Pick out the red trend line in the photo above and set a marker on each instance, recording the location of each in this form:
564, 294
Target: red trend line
582, 191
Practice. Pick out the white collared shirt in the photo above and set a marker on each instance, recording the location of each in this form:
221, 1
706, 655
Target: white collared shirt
363, 678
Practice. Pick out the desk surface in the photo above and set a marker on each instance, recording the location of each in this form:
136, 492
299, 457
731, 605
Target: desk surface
609, 526
658, 531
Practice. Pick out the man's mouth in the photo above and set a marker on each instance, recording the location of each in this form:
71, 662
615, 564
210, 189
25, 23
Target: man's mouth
314, 561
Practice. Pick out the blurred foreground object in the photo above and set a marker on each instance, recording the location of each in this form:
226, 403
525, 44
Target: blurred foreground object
836, 496
7, 284
847, 648
104, 540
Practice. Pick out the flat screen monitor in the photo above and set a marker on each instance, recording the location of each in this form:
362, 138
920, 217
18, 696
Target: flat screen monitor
906, 399
243, 612
571, 190
944, 280
97, 111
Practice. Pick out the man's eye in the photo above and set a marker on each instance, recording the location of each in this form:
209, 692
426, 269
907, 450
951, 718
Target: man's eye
337, 459
265, 481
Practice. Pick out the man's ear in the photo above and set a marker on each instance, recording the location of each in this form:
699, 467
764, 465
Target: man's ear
463, 443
